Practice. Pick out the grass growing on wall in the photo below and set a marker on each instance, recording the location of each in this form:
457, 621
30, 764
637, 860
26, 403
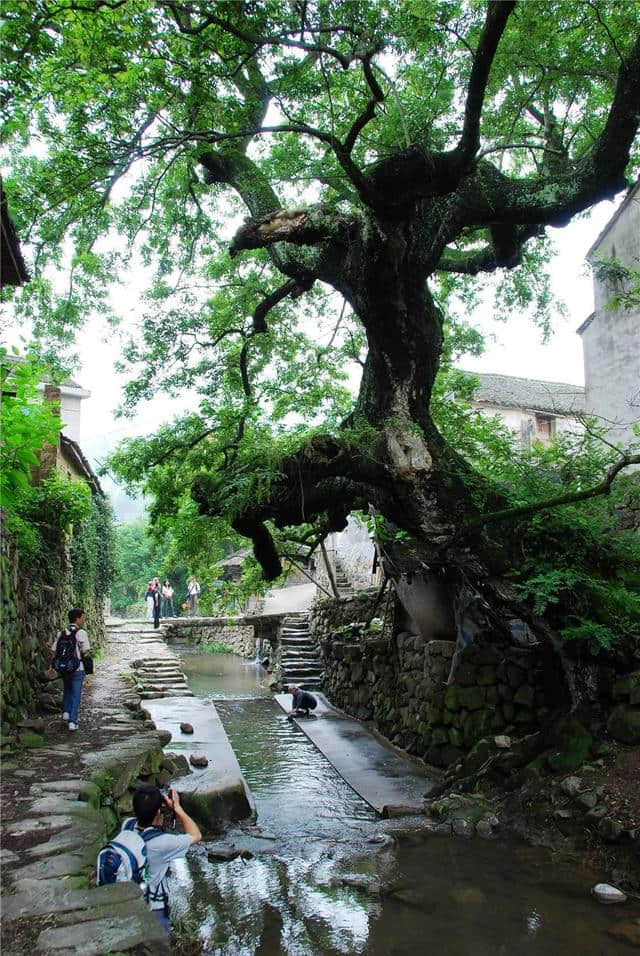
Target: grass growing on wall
216, 648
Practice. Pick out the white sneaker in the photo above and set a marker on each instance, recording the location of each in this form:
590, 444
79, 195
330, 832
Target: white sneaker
73, 726
65, 716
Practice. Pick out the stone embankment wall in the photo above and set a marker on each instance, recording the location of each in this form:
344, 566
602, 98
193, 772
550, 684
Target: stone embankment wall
242, 635
400, 684
31, 614
327, 615
239, 637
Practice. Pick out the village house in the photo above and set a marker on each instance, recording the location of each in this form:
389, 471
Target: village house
611, 334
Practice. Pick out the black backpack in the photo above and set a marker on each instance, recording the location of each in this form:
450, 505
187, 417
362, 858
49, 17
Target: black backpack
66, 660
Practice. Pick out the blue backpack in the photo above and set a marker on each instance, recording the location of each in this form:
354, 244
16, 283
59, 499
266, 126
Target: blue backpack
123, 859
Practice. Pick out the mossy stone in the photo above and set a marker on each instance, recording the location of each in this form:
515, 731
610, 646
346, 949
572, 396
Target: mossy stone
570, 745
471, 697
524, 696
624, 686
455, 737
30, 739
486, 675
624, 724
439, 736
451, 698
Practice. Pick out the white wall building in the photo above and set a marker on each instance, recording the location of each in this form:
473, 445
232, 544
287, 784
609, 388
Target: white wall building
71, 397
535, 410
611, 336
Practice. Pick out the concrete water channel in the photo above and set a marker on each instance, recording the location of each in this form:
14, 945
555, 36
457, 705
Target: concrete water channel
329, 876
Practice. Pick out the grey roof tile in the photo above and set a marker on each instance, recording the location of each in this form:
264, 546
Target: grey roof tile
532, 394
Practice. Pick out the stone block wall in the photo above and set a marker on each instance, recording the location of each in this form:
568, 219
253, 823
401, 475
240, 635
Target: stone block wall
400, 685
329, 614
239, 636
31, 615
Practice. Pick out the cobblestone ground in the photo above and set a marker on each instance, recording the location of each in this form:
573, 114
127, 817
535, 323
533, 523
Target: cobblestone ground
52, 822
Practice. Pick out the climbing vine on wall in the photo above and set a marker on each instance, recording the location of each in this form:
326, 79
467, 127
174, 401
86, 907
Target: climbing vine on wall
93, 557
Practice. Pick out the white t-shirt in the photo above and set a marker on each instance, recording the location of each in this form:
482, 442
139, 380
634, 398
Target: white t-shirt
193, 589
82, 645
161, 850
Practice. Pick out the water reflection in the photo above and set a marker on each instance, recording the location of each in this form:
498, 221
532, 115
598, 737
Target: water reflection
324, 888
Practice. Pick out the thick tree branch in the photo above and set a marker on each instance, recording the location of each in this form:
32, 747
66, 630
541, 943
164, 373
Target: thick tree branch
504, 252
485, 195
324, 479
260, 326
573, 497
301, 227
498, 12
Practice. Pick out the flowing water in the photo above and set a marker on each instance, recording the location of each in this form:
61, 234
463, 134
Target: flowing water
326, 878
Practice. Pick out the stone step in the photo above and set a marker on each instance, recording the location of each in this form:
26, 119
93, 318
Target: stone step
293, 672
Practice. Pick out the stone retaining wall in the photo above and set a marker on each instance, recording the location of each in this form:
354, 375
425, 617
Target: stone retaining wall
239, 636
31, 614
400, 685
329, 614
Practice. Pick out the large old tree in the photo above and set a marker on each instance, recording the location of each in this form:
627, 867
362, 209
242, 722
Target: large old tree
375, 147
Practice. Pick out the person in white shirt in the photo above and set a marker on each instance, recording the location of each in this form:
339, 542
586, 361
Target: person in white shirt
70, 644
167, 600
193, 593
162, 847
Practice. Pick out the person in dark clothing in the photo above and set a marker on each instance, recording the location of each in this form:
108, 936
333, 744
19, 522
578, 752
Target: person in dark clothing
157, 603
302, 702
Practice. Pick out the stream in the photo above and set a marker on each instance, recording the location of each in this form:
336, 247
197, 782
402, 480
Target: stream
327, 879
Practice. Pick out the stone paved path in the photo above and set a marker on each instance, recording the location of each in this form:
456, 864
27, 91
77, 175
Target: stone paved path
53, 821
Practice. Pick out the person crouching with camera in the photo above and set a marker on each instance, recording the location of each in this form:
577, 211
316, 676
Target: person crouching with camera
149, 804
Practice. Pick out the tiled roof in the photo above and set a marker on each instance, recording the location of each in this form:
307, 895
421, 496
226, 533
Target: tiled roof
510, 391
71, 449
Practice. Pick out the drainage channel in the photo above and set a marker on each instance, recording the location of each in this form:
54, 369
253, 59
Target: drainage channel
328, 877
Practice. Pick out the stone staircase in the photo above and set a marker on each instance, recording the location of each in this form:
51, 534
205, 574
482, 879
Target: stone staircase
343, 584
301, 661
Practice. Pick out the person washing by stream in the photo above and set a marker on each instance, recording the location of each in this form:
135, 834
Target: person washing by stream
303, 702
162, 847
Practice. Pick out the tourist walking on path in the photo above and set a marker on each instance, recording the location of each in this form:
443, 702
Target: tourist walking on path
167, 600
66, 658
193, 593
162, 848
149, 599
157, 602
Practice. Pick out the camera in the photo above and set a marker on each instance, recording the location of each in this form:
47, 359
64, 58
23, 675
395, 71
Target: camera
165, 791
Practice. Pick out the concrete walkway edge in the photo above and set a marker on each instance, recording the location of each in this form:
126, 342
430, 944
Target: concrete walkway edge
385, 779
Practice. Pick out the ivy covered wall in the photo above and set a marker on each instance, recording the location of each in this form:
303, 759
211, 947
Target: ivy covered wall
70, 569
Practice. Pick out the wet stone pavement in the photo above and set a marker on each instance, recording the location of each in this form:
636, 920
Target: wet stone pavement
53, 822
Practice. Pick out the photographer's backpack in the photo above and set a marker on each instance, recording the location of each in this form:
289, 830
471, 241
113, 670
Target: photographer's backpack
123, 859
66, 661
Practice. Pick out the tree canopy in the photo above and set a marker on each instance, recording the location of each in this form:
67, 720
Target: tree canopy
385, 156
